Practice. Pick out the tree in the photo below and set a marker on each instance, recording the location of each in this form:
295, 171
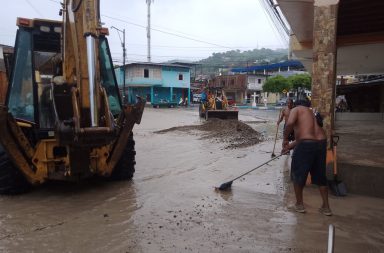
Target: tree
276, 84
300, 82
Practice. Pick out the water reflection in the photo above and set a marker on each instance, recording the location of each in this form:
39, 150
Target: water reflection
92, 216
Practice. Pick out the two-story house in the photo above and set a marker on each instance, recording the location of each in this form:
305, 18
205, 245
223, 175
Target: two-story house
233, 86
157, 83
255, 87
241, 87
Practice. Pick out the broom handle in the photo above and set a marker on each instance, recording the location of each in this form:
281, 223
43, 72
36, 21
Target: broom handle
334, 160
277, 129
335, 140
258, 166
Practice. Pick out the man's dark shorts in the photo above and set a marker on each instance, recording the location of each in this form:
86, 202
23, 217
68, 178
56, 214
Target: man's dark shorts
309, 156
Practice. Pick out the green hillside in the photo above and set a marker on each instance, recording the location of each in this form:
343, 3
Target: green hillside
221, 62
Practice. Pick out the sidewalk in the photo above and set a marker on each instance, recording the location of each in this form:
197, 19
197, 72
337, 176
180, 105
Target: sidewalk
358, 221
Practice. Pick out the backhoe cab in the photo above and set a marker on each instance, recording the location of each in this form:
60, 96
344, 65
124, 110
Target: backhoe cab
64, 118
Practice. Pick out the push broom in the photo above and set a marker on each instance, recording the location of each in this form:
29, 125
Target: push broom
227, 186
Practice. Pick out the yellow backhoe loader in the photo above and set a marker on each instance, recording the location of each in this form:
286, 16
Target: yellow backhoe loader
63, 118
217, 107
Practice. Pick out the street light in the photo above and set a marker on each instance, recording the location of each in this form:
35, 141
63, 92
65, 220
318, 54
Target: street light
123, 45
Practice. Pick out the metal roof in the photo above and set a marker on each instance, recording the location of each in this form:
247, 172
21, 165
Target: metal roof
274, 66
157, 64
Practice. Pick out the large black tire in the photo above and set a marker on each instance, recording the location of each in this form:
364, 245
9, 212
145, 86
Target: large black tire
125, 168
12, 181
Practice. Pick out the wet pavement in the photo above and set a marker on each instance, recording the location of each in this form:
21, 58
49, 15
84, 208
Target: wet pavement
171, 204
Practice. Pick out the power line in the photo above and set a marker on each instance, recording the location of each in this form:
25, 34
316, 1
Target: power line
54, 1
251, 59
275, 18
205, 48
33, 7
175, 34
213, 63
168, 56
166, 28
176, 46
154, 29
207, 58
165, 32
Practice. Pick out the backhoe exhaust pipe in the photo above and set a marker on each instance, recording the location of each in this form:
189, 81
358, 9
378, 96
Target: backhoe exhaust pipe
91, 60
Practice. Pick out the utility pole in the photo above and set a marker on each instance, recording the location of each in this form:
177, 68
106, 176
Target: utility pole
124, 55
149, 30
124, 77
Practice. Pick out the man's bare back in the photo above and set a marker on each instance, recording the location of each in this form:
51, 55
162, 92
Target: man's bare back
302, 121
286, 111
319, 131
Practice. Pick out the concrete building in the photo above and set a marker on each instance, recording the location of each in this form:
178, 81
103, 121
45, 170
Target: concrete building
255, 87
240, 88
344, 37
233, 86
258, 74
157, 83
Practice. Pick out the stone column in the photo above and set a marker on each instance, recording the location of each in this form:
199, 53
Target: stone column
324, 61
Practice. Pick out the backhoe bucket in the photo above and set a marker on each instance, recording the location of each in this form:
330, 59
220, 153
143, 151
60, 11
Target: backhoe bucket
222, 114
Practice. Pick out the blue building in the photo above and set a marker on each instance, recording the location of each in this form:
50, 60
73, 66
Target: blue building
157, 83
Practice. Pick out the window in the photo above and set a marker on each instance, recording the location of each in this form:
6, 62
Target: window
146, 73
259, 80
43, 75
108, 78
21, 103
180, 77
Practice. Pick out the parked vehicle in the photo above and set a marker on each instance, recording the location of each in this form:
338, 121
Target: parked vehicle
196, 98
282, 102
164, 103
231, 100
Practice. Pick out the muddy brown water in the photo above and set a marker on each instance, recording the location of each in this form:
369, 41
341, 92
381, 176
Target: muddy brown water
170, 205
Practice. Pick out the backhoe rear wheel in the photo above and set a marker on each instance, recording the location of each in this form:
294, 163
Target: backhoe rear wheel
12, 181
125, 168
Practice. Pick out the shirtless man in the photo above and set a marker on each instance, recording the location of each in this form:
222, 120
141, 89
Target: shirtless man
309, 155
285, 113
284, 116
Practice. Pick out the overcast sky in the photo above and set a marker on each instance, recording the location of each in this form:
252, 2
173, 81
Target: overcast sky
223, 24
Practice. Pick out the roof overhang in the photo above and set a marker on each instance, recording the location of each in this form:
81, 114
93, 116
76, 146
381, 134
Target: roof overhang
360, 34
142, 85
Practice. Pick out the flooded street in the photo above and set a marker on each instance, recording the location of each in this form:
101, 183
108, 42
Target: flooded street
171, 204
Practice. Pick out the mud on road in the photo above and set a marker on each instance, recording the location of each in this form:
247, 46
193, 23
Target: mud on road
171, 206
232, 133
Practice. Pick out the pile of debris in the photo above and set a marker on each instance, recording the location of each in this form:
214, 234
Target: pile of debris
234, 133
